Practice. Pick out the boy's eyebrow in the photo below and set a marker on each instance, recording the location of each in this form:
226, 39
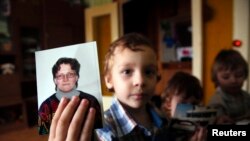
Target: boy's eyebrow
131, 64
125, 65
153, 65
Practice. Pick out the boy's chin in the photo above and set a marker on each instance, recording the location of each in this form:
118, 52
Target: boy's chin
232, 90
138, 105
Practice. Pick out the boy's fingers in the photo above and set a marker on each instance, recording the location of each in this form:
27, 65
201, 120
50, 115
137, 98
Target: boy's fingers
88, 125
56, 117
65, 118
76, 124
69, 121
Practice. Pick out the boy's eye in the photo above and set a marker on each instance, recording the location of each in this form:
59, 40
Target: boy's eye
239, 75
225, 77
150, 72
126, 71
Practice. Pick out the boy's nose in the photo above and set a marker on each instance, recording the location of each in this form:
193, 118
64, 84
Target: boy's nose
233, 79
139, 80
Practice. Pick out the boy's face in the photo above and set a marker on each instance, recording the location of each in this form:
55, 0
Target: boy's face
133, 76
231, 81
65, 78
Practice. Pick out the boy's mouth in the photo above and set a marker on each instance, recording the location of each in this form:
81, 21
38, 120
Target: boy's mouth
138, 96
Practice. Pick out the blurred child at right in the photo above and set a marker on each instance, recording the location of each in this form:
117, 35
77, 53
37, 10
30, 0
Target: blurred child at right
183, 88
229, 72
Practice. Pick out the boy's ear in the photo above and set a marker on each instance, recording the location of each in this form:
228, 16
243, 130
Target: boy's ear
108, 82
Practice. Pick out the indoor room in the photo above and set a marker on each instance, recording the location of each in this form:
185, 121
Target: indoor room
187, 34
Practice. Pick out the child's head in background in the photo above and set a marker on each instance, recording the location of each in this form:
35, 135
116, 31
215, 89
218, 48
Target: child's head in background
229, 71
181, 88
131, 70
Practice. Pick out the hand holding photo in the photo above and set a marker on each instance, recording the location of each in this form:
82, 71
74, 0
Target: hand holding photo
75, 72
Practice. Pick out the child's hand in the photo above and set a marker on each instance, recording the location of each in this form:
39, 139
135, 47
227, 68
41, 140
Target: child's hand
224, 120
199, 135
68, 124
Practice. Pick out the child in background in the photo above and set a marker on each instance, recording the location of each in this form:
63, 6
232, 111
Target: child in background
183, 88
229, 71
131, 72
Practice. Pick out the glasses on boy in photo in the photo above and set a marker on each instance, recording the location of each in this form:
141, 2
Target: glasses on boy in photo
63, 76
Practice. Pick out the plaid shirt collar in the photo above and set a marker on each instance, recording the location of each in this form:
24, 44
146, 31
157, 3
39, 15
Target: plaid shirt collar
126, 123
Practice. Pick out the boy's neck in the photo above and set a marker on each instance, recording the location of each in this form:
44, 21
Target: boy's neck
134, 111
141, 116
234, 94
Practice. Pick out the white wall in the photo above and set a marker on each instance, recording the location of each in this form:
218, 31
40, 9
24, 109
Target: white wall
241, 30
107, 100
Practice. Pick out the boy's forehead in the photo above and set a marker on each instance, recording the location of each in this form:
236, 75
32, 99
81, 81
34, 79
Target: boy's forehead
120, 49
127, 55
231, 70
230, 67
